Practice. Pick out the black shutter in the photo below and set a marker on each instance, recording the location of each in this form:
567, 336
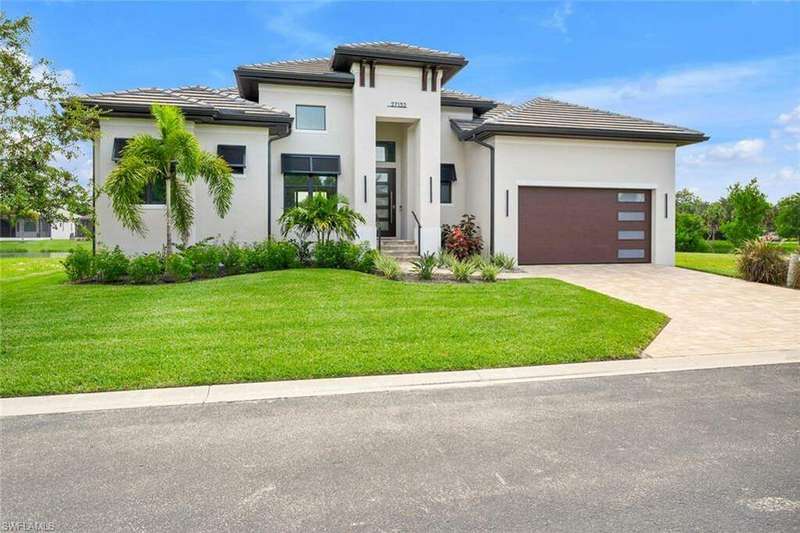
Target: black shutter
119, 145
234, 155
310, 164
448, 172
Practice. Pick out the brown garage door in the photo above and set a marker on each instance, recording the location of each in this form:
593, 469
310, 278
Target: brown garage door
574, 225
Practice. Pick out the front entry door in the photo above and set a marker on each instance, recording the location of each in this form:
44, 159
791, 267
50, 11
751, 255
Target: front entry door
386, 202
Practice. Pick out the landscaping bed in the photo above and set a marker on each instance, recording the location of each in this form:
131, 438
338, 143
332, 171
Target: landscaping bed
59, 337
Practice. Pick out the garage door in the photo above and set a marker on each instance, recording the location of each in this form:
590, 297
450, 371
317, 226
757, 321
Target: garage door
575, 225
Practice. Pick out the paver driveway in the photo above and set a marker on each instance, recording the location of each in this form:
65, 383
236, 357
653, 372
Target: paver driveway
709, 314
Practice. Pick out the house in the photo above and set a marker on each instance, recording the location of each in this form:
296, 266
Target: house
549, 182
30, 228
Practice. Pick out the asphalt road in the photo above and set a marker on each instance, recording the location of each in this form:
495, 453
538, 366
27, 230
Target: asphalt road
710, 450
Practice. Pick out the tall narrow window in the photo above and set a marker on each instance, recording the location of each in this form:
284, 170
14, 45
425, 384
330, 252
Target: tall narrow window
310, 117
298, 187
446, 178
154, 193
119, 146
385, 152
234, 155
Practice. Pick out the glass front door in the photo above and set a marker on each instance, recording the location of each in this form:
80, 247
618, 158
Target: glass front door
385, 202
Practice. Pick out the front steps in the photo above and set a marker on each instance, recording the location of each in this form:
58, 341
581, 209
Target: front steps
402, 250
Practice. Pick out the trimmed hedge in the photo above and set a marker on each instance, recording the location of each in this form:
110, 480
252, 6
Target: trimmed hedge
206, 260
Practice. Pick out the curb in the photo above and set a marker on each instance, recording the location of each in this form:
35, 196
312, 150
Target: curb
206, 394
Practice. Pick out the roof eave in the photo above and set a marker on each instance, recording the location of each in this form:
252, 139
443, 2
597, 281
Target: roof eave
247, 80
343, 58
488, 130
481, 106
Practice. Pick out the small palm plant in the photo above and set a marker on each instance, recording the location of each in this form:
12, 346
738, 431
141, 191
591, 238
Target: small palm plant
175, 158
423, 267
322, 216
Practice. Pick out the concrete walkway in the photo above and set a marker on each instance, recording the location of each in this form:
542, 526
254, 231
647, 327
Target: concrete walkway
709, 314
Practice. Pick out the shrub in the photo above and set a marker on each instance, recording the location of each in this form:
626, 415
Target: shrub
721, 247
178, 267
489, 271
388, 267
760, 261
111, 265
146, 268
344, 255
206, 259
462, 270
446, 260
689, 232
233, 258
749, 207
787, 221
79, 265
423, 267
464, 240
505, 262
271, 255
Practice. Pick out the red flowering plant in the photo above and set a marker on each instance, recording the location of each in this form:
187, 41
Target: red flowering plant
463, 240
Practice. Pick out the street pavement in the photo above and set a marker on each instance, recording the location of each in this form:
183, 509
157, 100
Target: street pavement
704, 450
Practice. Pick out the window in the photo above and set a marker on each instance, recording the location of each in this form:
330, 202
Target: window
633, 197
154, 193
630, 216
384, 152
119, 145
447, 175
234, 155
298, 187
310, 117
623, 253
310, 164
29, 225
637, 235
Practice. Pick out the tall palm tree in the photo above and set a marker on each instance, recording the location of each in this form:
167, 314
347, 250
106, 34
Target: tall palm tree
175, 158
322, 216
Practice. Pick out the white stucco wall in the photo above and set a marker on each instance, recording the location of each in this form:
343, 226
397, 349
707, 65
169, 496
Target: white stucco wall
246, 220
337, 139
524, 161
453, 151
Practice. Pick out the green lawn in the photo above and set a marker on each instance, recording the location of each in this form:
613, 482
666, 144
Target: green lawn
42, 246
727, 247
722, 264
60, 338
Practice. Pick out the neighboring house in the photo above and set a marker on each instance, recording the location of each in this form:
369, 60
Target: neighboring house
549, 182
28, 228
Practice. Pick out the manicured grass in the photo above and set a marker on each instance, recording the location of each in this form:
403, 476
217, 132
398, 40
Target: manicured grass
722, 264
42, 246
60, 338
727, 247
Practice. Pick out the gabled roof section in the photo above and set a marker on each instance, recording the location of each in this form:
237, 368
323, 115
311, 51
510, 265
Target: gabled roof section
198, 103
394, 53
551, 118
314, 71
451, 97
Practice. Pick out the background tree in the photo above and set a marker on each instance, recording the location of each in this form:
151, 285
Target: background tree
687, 201
787, 221
689, 232
174, 159
39, 124
714, 217
749, 207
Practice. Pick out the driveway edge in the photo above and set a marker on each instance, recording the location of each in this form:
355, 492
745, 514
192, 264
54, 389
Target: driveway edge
68, 403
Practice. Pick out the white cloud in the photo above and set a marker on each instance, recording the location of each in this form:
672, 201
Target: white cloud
292, 26
790, 122
744, 150
558, 19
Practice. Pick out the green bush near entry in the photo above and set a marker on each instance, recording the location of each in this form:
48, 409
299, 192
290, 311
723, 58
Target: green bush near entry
146, 269
111, 265
79, 265
271, 255
344, 255
178, 267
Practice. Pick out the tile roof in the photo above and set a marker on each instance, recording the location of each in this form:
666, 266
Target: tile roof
220, 104
314, 65
393, 47
546, 116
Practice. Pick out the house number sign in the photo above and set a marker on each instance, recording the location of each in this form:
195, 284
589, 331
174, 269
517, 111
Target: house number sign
399, 105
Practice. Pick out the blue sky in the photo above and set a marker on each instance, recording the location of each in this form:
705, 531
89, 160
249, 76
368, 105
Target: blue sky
731, 70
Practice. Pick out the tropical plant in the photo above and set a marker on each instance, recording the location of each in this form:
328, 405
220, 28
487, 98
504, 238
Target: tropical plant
489, 271
714, 217
749, 208
178, 267
787, 221
464, 240
760, 261
174, 159
504, 261
322, 216
207, 259
111, 265
79, 265
445, 259
146, 268
270, 255
423, 267
689, 231
388, 267
463, 270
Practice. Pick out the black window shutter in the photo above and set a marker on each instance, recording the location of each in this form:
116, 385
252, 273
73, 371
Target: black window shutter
448, 172
119, 145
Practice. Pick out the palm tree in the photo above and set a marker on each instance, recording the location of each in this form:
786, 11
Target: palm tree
175, 158
322, 216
